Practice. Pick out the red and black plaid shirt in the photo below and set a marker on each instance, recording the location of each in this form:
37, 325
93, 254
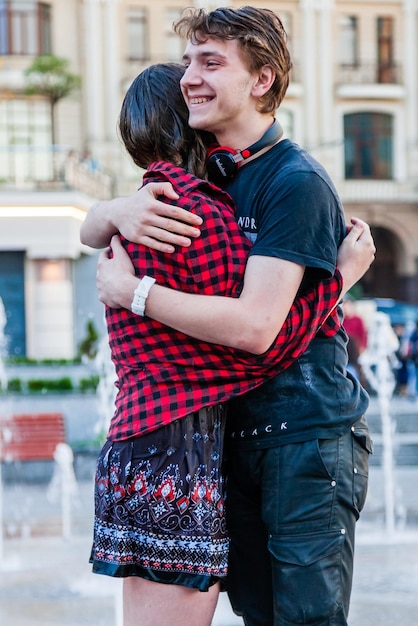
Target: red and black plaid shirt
162, 374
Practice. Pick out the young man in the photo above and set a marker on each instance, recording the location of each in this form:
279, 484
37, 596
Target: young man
159, 491
299, 445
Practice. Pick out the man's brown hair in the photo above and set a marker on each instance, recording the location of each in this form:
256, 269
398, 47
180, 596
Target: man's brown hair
260, 35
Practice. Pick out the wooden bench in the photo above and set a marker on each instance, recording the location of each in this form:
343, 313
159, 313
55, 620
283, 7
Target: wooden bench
31, 437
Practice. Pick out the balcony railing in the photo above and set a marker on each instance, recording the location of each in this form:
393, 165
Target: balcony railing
378, 191
56, 167
93, 181
369, 74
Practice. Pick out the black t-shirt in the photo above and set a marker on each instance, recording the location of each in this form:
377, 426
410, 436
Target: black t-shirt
288, 207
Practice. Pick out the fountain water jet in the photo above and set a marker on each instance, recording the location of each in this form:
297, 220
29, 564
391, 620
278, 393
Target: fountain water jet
4, 409
63, 483
106, 394
377, 362
106, 390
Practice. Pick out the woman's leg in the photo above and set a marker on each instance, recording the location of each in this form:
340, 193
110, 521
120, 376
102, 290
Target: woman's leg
146, 603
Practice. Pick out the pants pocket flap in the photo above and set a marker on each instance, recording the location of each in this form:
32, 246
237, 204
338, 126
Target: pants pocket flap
363, 437
306, 549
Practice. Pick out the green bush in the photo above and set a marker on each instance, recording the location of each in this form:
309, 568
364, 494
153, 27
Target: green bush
23, 360
89, 384
88, 346
43, 385
14, 384
38, 385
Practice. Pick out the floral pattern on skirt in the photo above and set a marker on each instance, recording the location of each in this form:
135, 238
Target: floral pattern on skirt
159, 504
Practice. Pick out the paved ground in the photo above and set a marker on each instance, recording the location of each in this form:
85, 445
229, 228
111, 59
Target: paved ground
45, 578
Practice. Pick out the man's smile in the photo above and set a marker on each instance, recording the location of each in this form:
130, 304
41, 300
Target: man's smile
199, 100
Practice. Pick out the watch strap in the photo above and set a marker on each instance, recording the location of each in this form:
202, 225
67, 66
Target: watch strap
141, 295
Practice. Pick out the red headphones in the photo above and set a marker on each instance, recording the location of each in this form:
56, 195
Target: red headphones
223, 162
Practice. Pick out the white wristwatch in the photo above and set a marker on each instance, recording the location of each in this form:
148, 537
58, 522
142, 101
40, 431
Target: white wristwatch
141, 295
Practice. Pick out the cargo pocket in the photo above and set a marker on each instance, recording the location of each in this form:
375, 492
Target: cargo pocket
306, 575
362, 448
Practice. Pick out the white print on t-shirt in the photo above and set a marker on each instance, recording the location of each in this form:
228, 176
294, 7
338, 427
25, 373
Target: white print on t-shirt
247, 223
254, 433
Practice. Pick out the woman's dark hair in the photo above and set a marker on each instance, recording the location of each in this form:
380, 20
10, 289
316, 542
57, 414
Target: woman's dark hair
153, 121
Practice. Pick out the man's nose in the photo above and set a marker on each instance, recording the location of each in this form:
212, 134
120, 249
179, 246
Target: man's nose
190, 76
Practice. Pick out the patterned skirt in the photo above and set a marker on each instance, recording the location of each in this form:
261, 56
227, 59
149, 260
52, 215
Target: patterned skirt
159, 504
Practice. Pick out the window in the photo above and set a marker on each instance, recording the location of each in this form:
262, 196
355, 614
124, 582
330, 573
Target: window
25, 139
50, 308
348, 41
293, 44
368, 139
4, 37
137, 29
386, 67
174, 46
287, 22
285, 118
52, 270
12, 290
25, 27
45, 27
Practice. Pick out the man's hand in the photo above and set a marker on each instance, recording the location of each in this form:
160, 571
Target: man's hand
115, 278
142, 218
356, 253
155, 224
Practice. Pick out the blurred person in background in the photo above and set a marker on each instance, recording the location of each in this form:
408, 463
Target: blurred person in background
357, 337
412, 363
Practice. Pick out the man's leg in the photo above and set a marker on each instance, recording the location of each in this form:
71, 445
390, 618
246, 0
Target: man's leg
249, 566
146, 603
309, 498
311, 513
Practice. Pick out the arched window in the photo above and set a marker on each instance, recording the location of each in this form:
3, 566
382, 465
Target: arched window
368, 145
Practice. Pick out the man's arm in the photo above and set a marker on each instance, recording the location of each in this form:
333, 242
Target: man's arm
250, 322
141, 218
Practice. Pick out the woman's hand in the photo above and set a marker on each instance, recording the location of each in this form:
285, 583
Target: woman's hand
115, 277
356, 253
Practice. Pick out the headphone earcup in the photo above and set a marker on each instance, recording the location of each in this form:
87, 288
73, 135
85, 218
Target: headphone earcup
221, 164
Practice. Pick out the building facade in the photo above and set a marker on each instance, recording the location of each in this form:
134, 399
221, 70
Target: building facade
352, 102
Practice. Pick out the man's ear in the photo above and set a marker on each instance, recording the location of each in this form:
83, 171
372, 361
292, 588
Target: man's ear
263, 81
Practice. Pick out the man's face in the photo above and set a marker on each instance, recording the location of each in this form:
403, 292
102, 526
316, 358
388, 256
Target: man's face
217, 88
